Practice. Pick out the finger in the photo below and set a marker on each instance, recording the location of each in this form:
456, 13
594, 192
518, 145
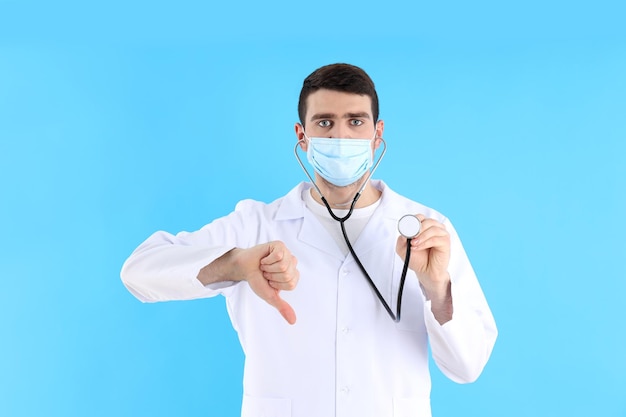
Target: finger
428, 222
429, 232
283, 282
401, 243
276, 253
434, 230
438, 242
285, 264
280, 271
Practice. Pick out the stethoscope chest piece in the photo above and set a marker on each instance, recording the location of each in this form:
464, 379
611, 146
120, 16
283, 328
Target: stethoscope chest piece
409, 226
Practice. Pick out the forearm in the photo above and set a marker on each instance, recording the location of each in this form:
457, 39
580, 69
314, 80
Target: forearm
225, 268
441, 303
462, 345
164, 268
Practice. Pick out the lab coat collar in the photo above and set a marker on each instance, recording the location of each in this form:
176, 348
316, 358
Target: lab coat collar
379, 227
292, 206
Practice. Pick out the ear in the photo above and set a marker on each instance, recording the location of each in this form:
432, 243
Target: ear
380, 128
300, 136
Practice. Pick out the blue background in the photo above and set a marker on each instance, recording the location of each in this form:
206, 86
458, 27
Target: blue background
120, 119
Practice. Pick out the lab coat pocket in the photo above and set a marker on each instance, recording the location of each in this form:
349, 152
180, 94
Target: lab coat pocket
411, 407
265, 407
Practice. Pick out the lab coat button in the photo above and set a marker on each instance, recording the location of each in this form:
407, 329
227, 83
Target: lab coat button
345, 390
345, 330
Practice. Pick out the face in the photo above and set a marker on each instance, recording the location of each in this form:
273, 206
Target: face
335, 114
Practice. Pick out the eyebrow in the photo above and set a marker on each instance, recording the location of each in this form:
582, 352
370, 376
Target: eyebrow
319, 116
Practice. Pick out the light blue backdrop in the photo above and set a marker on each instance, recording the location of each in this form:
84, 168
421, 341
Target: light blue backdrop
120, 119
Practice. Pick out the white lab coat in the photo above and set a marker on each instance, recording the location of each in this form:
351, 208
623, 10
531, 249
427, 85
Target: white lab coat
344, 357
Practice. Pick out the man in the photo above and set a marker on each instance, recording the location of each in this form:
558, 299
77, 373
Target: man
318, 340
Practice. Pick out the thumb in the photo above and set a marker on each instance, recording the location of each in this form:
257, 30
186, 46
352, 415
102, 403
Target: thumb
401, 247
283, 307
286, 311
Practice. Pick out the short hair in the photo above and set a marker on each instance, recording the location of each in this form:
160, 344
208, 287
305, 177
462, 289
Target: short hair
338, 77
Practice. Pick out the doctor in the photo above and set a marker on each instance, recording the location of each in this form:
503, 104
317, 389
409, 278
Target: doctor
317, 340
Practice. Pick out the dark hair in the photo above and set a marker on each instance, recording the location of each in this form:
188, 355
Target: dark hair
338, 77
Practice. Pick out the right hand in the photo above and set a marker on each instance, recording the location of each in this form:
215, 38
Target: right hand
269, 268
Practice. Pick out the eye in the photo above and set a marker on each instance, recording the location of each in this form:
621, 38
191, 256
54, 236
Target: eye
356, 122
324, 123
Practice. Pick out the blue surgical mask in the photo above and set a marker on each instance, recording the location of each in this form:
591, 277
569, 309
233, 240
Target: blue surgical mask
340, 161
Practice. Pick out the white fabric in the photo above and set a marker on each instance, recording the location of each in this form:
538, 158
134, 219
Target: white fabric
354, 225
344, 357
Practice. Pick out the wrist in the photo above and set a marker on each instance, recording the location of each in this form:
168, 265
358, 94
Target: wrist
234, 265
441, 304
438, 288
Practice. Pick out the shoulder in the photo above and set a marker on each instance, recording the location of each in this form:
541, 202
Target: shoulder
397, 205
286, 205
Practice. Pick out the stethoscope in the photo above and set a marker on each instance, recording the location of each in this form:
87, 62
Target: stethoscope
409, 226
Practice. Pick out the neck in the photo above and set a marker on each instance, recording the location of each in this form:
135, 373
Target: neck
342, 197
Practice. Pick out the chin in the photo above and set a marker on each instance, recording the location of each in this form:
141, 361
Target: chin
341, 187
355, 184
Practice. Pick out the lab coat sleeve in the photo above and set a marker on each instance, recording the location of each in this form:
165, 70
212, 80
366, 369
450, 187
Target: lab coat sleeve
462, 346
165, 266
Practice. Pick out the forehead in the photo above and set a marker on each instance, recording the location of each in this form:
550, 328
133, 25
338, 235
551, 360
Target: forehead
337, 103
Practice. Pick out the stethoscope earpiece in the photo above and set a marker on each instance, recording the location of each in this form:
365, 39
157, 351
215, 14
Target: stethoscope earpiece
409, 226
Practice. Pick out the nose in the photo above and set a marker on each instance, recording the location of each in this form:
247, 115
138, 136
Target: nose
339, 131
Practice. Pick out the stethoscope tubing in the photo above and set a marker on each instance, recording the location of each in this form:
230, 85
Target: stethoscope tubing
395, 317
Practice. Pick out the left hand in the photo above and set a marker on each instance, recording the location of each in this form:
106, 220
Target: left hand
430, 256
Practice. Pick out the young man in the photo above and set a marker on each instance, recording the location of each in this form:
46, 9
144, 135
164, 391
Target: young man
318, 340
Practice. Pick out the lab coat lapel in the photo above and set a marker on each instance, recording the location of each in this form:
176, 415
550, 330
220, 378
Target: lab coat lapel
382, 225
376, 231
312, 231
